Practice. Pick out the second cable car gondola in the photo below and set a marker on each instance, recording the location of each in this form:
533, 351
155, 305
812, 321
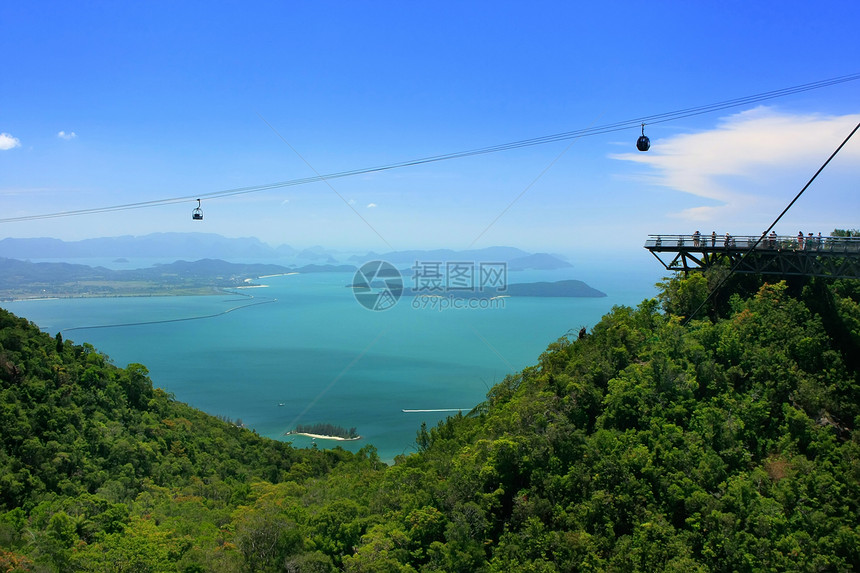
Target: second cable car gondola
643, 143
197, 212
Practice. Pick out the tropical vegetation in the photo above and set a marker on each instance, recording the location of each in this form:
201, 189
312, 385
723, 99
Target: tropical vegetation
725, 440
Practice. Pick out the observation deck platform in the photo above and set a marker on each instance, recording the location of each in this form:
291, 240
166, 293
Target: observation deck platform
834, 257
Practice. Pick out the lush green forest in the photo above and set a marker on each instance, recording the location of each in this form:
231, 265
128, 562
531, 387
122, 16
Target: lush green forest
728, 442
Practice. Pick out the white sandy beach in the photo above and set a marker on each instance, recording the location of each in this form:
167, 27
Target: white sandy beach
323, 437
278, 275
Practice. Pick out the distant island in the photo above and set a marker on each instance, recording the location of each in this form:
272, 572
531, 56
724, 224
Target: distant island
27, 280
21, 279
566, 288
324, 432
562, 289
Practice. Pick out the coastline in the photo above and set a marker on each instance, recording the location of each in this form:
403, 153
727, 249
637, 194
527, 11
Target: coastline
278, 275
202, 291
323, 436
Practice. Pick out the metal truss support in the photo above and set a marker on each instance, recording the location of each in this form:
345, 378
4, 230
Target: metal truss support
834, 257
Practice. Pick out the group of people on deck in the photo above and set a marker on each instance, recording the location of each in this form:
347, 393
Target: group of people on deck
697, 239
770, 241
811, 242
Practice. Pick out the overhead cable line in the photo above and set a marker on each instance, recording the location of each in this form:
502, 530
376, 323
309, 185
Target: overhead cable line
543, 140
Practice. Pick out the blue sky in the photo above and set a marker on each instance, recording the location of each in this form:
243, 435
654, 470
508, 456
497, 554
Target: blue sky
109, 103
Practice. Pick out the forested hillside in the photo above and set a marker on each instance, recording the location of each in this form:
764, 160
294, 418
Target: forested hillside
728, 443
100, 471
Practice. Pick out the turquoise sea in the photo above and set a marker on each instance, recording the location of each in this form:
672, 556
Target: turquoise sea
310, 353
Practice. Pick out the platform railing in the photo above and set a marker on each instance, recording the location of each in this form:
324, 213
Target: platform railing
744, 242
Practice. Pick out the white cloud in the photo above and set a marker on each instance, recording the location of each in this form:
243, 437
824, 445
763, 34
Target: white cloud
67, 136
747, 159
371, 205
8, 142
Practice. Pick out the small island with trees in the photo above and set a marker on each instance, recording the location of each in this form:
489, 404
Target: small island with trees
324, 432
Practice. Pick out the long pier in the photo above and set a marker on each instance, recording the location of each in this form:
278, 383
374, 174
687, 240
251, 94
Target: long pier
834, 257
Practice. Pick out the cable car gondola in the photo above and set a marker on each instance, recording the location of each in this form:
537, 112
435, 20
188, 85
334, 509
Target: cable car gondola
197, 213
643, 143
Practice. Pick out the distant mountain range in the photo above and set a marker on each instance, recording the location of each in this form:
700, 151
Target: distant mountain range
23, 279
155, 245
195, 246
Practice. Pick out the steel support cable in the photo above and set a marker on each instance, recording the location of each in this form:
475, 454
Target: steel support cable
772, 225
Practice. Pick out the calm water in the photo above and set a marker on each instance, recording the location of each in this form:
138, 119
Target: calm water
316, 355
